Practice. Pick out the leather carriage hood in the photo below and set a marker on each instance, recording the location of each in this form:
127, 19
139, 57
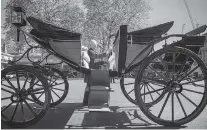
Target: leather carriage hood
157, 30
43, 29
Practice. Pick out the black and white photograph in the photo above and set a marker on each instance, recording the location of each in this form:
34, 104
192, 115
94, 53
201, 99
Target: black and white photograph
103, 64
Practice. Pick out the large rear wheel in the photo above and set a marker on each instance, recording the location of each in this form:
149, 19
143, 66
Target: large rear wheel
184, 97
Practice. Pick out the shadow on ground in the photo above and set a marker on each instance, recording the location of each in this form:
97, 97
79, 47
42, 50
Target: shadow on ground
67, 115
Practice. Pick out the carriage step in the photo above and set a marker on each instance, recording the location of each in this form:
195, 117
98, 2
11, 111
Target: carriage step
112, 90
98, 109
99, 90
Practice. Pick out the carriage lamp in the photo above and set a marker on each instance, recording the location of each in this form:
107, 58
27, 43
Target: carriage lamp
17, 18
17, 15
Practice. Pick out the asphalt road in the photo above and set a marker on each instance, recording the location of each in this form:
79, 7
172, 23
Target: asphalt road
70, 114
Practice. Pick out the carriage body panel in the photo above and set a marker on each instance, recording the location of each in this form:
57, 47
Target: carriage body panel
128, 45
70, 49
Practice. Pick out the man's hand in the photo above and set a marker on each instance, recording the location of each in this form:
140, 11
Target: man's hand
108, 52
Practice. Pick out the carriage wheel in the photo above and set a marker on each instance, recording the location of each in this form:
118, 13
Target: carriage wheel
18, 109
127, 86
58, 85
184, 99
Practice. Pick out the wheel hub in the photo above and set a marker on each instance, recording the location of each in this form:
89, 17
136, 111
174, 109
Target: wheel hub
175, 87
19, 96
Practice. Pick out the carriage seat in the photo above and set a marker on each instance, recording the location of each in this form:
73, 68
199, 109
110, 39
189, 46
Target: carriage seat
146, 35
43, 29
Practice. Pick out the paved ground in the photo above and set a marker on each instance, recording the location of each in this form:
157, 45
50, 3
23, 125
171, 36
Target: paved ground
125, 115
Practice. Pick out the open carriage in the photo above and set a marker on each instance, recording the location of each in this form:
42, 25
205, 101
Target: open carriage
159, 78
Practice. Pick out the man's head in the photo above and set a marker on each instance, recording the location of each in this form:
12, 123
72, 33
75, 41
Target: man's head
93, 44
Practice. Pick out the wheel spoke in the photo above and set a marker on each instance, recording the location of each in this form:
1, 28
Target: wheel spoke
173, 64
7, 90
36, 89
57, 84
5, 98
30, 99
128, 83
150, 93
22, 108
33, 84
7, 86
172, 104
157, 84
52, 100
53, 82
189, 100
30, 108
155, 81
14, 111
181, 104
11, 84
7, 107
130, 91
198, 85
153, 91
58, 89
17, 77
40, 96
188, 73
164, 104
193, 91
25, 82
37, 92
55, 93
141, 86
144, 92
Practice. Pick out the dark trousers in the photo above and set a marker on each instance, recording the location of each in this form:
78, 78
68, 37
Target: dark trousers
86, 96
112, 80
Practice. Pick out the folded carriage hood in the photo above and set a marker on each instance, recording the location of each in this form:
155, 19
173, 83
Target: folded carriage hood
196, 31
157, 30
44, 29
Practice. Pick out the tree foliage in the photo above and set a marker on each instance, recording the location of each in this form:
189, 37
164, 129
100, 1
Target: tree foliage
104, 17
94, 19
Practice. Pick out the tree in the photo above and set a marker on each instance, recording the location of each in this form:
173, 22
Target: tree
94, 19
64, 13
104, 17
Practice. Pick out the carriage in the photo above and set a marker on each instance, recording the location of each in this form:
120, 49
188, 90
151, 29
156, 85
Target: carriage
160, 82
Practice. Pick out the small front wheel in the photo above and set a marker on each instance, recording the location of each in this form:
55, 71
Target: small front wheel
58, 86
18, 109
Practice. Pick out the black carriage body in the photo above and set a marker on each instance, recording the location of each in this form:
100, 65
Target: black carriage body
63, 43
132, 47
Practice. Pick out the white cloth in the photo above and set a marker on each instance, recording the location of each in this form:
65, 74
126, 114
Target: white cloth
86, 59
111, 60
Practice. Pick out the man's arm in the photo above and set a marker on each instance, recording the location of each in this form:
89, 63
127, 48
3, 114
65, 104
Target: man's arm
92, 54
